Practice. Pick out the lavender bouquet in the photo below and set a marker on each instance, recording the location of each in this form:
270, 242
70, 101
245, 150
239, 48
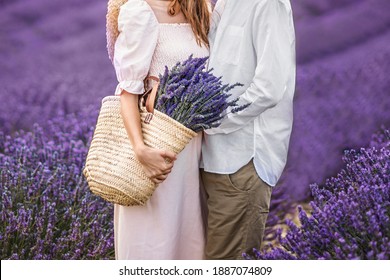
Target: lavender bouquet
195, 97
189, 99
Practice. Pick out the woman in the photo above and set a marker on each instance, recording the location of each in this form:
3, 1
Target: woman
153, 34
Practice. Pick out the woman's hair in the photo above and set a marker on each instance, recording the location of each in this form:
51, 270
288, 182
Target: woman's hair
197, 13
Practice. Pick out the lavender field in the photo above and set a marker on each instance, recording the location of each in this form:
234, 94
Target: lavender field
54, 71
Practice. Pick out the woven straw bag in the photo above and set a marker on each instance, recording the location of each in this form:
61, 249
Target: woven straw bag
111, 169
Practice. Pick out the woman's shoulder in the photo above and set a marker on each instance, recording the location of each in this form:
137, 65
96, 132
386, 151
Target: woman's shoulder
129, 16
136, 6
138, 12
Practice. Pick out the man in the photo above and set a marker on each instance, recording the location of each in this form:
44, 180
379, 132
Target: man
252, 42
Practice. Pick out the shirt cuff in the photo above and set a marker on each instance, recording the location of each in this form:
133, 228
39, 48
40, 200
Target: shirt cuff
135, 87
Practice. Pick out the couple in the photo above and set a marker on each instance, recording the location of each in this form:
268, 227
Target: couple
238, 163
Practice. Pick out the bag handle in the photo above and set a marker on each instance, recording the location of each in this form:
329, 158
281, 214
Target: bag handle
150, 97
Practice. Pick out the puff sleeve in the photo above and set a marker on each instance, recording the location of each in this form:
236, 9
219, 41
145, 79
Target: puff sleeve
135, 45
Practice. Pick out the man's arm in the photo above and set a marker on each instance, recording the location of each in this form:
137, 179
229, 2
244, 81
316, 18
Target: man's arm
274, 43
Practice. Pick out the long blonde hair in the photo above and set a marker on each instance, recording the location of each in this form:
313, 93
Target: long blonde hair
197, 13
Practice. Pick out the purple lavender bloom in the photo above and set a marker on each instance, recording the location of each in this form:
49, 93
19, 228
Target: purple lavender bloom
52, 66
342, 86
195, 97
47, 210
350, 216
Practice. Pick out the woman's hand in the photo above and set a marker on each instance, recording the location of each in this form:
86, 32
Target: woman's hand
157, 164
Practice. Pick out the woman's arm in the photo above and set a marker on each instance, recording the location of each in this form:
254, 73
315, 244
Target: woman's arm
157, 164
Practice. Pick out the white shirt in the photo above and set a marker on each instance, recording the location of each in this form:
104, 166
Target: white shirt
253, 42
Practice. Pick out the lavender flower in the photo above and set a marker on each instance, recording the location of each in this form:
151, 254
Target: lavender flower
195, 97
46, 208
341, 97
350, 217
342, 82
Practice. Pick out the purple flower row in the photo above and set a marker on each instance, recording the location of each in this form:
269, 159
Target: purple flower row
53, 62
350, 216
340, 101
340, 28
47, 210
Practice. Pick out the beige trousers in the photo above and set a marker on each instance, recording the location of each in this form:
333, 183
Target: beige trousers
238, 206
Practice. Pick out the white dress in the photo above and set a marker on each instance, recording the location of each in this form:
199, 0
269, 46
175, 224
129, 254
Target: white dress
170, 225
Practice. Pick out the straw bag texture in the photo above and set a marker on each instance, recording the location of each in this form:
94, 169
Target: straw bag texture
111, 168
